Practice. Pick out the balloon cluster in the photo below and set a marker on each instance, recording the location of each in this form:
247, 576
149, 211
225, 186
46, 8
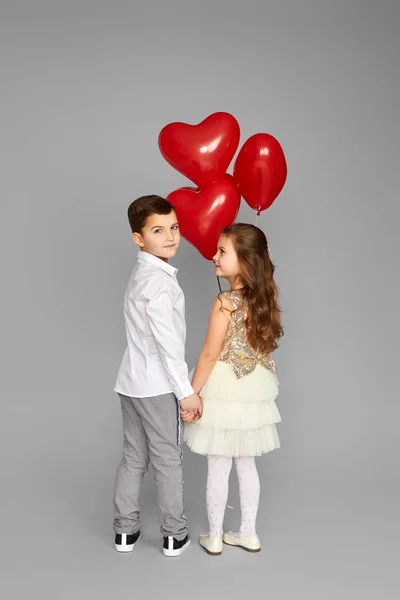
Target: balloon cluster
202, 153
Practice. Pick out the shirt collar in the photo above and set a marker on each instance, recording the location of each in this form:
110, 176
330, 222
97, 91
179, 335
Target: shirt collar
146, 257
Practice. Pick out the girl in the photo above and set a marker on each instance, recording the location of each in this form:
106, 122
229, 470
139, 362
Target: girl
237, 383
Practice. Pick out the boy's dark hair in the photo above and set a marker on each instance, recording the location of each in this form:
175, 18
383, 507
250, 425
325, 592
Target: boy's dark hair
144, 207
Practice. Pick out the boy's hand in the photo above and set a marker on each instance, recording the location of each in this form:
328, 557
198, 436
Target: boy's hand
192, 403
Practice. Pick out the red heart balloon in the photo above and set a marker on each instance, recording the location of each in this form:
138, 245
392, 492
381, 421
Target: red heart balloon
202, 214
260, 170
201, 152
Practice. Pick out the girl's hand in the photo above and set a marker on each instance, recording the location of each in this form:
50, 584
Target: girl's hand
187, 416
196, 416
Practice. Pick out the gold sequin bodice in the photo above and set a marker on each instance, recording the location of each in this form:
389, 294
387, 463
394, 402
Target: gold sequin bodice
235, 349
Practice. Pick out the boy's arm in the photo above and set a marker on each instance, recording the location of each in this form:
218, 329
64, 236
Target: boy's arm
159, 311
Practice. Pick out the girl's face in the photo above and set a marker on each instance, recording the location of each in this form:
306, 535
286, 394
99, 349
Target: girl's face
226, 260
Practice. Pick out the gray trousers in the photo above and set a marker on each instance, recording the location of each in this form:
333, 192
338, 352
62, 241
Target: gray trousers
151, 434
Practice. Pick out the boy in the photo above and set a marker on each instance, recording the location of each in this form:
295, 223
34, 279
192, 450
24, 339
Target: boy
152, 381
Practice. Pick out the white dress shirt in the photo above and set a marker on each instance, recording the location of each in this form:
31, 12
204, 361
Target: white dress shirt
154, 308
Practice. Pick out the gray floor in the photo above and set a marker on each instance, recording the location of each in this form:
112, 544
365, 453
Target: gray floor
325, 533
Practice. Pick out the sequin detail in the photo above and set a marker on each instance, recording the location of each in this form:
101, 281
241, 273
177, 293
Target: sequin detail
235, 350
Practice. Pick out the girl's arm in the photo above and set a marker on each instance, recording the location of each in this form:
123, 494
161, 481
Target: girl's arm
220, 317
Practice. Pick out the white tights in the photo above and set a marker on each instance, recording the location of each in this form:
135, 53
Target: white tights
219, 468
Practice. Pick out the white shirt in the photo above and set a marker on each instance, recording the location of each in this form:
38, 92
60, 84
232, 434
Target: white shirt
154, 308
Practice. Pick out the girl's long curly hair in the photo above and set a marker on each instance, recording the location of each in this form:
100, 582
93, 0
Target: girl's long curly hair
260, 292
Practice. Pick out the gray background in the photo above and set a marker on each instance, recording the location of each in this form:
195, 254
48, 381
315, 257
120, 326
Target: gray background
86, 88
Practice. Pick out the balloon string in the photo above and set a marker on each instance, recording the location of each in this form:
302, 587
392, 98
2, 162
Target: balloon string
258, 209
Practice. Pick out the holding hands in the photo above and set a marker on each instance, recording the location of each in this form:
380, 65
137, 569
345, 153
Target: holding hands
191, 408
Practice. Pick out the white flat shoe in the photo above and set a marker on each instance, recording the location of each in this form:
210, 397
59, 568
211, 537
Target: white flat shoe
251, 544
212, 546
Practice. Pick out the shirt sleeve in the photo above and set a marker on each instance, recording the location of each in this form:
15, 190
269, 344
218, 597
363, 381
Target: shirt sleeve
171, 347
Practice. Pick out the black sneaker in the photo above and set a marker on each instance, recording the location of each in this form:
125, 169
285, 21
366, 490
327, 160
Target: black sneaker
173, 547
125, 542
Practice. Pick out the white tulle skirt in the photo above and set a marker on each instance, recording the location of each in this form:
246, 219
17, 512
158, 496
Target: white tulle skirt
239, 415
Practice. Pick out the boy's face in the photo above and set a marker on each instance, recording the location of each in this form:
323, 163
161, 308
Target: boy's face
160, 236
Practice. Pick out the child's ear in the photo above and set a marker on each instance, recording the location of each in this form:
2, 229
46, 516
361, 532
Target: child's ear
137, 238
